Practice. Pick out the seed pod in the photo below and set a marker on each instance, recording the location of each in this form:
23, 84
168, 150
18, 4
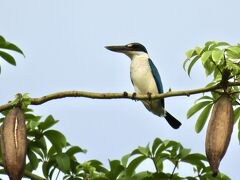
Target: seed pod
219, 131
13, 143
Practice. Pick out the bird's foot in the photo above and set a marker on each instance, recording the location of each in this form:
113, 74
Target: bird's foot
134, 96
125, 94
149, 96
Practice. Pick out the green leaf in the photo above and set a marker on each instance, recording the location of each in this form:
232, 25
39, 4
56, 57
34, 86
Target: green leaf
233, 67
159, 163
232, 55
202, 118
210, 43
46, 166
45, 169
32, 125
192, 63
217, 75
51, 152
195, 159
184, 63
144, 150
234, 49
49, 122
75, 149
37, 151
13, 47
39, 146
116, 169
217, 55
32, 117
26, 100
190, 53
33, 160
196, 107
155, 145
162, 176
205, 56
218, 44
212, 83
2, 40
209, 67
10, 46
125, 159
204, 97
63, 162
57, 139
134, 164
184, 152
7, 57
98, 166
145, 175
135, 152
236, 114
167, 145
198, 50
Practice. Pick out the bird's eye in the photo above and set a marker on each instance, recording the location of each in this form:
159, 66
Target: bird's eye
129, 45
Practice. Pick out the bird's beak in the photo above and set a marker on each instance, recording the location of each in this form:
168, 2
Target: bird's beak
120, 49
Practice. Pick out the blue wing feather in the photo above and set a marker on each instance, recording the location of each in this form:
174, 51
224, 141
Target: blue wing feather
157, 79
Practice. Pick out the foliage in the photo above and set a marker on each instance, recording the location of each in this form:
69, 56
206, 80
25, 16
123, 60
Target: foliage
5, 45
221, 60
49, 150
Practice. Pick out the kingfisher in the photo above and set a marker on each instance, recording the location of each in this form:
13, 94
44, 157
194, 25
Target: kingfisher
146, 79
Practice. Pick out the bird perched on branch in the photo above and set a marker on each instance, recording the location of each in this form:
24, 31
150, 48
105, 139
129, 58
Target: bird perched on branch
146, 79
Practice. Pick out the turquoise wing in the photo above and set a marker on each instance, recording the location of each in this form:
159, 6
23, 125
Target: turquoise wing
157, 79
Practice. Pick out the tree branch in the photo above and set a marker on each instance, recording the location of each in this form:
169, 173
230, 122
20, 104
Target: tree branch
124, 95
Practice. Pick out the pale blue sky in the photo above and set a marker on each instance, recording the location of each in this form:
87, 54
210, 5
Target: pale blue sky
64, 46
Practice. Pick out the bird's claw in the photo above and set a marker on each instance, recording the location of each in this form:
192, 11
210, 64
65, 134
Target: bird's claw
134, 96
149, 96
125, 94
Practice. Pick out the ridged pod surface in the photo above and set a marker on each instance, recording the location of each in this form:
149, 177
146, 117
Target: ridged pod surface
219, 131
14, 143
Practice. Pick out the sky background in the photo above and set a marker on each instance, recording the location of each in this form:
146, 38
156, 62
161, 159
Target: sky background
64, 46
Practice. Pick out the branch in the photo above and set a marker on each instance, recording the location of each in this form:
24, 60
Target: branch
124, 95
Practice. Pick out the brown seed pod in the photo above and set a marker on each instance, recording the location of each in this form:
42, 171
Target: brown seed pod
13, 143
219, 131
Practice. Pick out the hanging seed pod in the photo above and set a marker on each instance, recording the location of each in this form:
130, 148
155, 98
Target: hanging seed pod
219, 131
13, 143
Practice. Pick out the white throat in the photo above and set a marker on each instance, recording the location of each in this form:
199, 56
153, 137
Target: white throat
137, 55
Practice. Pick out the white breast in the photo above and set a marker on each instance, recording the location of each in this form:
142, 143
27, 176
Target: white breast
141, 76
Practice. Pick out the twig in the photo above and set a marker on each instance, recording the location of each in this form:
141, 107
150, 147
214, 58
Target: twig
175, 166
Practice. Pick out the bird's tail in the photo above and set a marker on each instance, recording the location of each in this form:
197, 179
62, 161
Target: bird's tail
172, 121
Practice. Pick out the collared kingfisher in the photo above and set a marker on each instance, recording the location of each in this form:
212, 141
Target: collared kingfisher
146, 79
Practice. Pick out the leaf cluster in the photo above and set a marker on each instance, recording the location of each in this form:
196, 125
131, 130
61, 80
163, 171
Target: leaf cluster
49, 150
6, 45
222, 61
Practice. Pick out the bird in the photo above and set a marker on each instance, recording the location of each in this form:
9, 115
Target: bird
145, 79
